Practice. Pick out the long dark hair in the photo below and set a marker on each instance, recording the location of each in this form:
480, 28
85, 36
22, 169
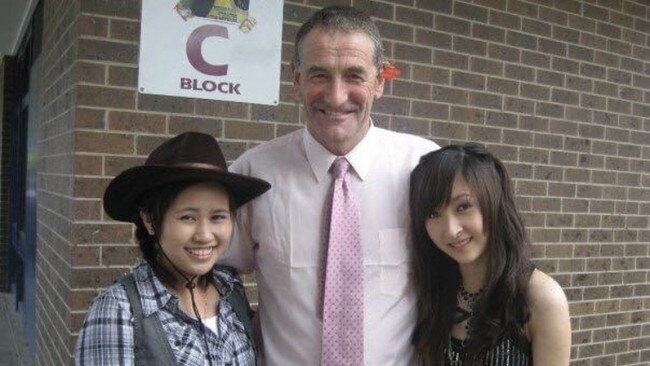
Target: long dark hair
155, 203
502, 307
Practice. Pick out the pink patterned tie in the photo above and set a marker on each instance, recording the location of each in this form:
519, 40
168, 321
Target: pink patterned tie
343, 287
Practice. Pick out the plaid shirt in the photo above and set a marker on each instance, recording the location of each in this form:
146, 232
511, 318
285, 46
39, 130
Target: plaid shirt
107, 334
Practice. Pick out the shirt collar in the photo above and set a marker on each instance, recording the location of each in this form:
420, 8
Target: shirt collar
320, 159
155, 296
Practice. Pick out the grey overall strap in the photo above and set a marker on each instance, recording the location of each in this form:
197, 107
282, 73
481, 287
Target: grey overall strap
151, 346
239, 303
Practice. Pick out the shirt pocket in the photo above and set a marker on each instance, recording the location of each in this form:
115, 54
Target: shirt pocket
394, 261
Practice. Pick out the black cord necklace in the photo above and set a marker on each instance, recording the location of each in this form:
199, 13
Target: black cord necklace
190, 285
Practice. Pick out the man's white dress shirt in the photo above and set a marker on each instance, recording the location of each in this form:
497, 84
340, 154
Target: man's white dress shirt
280, 235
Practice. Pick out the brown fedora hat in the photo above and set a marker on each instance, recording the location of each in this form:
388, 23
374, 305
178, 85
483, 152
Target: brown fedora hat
190, 156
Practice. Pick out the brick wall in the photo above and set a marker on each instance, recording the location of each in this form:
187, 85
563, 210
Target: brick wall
55, 242
558, 89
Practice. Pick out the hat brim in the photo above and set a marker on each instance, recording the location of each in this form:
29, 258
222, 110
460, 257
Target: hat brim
122, 194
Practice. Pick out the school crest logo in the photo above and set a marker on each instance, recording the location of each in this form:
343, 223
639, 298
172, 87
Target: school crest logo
226, 11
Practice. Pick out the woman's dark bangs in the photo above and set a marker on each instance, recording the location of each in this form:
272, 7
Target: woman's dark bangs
446, 167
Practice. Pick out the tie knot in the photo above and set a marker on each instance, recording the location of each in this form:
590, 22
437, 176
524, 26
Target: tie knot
339, 167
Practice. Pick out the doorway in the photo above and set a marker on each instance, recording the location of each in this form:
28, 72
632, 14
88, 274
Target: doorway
22, 102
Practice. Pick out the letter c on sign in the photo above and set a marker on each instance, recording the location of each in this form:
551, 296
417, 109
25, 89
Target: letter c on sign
193, 49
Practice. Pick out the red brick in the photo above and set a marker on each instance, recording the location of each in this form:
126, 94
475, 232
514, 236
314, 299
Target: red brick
125, 30
413, 53
411, 125
136, 122
93, 73
93, 278
99, 50
89, 187
163, 103
123, 76
88, 25
430, 110
449, 130
85, 256
87, 210
248, 130
430, 74
400, 32
469, 115
505, 20
87, 164
288, 113
178, 124
438, 40
232, 149
392, 106
120, 8
503, 86
221, 109
411, 90
451, 25
484, 134
450, 59
114, 165
120, 255
146, 144
81, 299
96, 96
283, 129
101, 233
86, 141
488, 33
564, 127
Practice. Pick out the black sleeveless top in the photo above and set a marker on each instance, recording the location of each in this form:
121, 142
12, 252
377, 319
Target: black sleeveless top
514, 350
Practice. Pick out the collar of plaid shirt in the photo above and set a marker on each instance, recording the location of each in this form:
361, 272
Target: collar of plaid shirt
154, 295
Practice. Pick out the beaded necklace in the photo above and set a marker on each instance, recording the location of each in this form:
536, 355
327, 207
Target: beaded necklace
461, 315
471, 298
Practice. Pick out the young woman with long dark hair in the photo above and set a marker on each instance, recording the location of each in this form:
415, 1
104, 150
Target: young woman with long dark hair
481, 301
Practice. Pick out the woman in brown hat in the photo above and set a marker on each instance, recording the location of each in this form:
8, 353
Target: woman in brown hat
178, 306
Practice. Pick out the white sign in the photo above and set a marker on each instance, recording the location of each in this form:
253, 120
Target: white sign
211, 49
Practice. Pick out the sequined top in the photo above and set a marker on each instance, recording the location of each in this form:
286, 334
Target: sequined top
515, 350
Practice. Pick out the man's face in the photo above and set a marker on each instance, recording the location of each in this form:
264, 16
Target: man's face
337, 82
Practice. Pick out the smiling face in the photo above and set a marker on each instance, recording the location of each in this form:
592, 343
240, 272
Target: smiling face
457, 227
337, 83
196, 229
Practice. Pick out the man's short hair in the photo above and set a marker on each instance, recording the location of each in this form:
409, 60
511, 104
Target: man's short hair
344, 19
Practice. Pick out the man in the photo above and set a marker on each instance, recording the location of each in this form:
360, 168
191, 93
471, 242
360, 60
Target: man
283, 235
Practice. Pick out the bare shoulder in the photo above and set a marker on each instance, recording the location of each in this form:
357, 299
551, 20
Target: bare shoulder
549, 327
545, 294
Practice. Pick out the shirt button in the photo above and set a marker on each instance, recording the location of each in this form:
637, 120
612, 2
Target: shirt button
177, 343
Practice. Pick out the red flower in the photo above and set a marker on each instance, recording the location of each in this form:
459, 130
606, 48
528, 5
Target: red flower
389, 71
